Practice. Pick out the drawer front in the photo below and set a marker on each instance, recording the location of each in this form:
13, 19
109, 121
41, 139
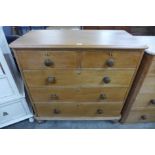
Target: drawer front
78, 110
44, 59
147, 88
115, 59
11, 112
78, 94
61, 77
152, 68
41, 59
141, 116
145, 100
148, 82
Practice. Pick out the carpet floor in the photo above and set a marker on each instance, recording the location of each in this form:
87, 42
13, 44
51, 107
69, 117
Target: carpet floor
79, 125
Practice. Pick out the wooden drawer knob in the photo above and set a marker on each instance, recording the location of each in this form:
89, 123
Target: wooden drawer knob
48, 62
51, 79
5, 114
102, 96
152, 101
54, 97
106, 79
56, 111
99, 111
110, 62
143, 117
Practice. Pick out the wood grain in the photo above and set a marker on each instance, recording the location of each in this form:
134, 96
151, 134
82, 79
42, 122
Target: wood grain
35, 58
86, 77
148, 85
137, 116
143, 100
77, 39
152, 68
141, 105
136, 86
78, 110
122, 58
114, 94
79, 64
96, 118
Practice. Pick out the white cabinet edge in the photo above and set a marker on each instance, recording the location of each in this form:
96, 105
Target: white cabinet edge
17, 88
26, 115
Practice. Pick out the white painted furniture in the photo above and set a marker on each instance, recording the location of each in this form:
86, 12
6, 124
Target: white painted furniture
13, 105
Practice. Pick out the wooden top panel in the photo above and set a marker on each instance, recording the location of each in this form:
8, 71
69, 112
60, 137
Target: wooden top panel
77, 39
149, 41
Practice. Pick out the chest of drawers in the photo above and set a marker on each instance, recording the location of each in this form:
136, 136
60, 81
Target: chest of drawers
77, 74
140, 105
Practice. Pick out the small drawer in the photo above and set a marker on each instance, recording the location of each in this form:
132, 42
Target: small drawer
85, 77
146, 100
96, 94
11, 112
110, 59
136, 116
46, 59
78, 110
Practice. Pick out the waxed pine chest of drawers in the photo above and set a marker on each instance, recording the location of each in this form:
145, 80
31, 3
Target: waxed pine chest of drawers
78, 74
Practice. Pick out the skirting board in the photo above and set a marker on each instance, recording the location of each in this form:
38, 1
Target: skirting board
78, 118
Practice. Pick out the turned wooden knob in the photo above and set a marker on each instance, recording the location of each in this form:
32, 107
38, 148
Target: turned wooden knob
106, 79
99, 111
56, 111
102, 96
51, 79
110, 62
152, 101
48, 62
54, 97
143, 117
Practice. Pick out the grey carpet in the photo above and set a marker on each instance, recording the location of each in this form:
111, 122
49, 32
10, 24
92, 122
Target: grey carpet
79, 125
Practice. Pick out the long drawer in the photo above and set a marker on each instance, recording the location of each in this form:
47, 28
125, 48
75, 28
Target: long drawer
146, 100
141, 116
78, 109
86, 77
44, 58
106, 94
